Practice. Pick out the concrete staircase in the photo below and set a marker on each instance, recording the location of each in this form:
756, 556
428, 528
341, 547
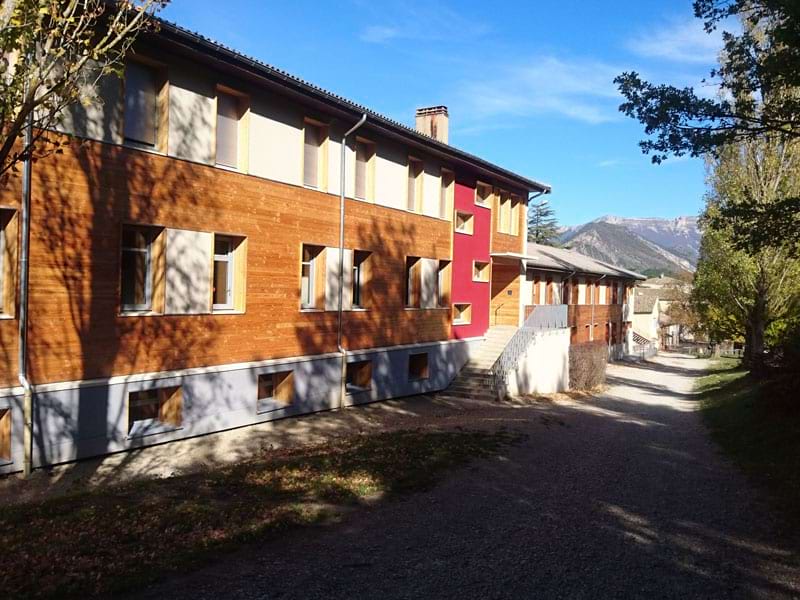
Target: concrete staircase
474, 381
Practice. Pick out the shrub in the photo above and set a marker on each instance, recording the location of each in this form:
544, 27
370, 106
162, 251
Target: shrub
587, 365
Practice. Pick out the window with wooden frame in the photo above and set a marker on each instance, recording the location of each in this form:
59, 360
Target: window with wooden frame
503, 213
8, 261
361, 277
480, 271
315, 154
358, 376
462, 314
365, 170
142, 267
418, 366
146, 105
443, 284
312, 277
516, 209
416, 171
549, 291
275, 391
446, 193
5, 434
413, 282
155, 410
231, 131
465, 222
483, 194
228, 275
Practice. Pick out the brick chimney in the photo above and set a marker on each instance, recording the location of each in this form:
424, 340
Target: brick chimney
433, 121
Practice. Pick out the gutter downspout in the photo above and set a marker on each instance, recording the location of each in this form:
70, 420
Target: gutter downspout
342, 351
22, 355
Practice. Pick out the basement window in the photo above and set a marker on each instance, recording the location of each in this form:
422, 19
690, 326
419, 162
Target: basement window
155, 410
358, 376
464, 222
275, 391
418, 366
5, 434
462, 314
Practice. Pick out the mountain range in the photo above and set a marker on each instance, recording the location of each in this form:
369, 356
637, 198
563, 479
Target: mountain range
651, 246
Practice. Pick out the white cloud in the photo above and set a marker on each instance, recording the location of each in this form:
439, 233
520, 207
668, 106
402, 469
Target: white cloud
612, 162
679, 41
430, 21
379, 34
578, 89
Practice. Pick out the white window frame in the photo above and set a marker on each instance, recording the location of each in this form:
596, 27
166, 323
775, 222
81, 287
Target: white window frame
311, 304
148, 286
228, 258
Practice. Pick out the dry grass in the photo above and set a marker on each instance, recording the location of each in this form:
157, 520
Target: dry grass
106, 540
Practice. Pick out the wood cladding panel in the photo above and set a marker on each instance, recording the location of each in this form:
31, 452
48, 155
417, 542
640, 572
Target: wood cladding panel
581, 315
81, 199
505, 295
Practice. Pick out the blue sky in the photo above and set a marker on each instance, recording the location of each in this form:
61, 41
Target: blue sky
528, 84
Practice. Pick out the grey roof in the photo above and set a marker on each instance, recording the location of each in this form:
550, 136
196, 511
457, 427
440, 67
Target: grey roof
560, 259
644, 300
192, 41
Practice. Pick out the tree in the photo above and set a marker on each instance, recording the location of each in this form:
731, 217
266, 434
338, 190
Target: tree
542, 224
53, 53
759, 79
739, 293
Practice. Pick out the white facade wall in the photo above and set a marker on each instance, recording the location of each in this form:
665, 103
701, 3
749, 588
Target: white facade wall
544, 369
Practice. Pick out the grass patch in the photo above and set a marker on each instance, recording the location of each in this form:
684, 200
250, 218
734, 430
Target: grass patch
757, 424
118, 538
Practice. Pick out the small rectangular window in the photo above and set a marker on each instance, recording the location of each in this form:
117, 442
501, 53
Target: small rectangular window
313, 164
515, 208
480, 271
358, 376
443, 284
275, 391
5, 434
418, 366
149, 411
360, 276
223, 273
504, 213
8, 261
364, 153
415, 170
446, 192
462, 314
483, 194
140, 104
228, 116
413, 286
464, 222
309, 272
136, 268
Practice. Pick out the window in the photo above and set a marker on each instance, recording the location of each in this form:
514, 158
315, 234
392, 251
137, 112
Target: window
365, 151
5, 434
446, 193
358, 377
141, 104
415, 170
418, 366
483, 194
480, 271
223, 273
462, 314
413, 281
464, 222
315, 135
360, 277
136, 272
275, 391
443, 284
8, 261
515, 208
548, 299
150, 410
229, 115
504, 213
311, 290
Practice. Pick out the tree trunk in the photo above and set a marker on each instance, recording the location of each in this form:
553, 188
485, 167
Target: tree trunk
755, 341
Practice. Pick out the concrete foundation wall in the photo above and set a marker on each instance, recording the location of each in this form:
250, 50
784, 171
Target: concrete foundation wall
83, 419
545, 367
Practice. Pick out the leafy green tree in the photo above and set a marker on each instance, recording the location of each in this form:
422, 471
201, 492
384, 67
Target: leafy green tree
542, 224
759, 79
53, 53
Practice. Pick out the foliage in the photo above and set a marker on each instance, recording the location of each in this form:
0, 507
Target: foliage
759, 79
109, 539
53, 53
587, 365
542, 224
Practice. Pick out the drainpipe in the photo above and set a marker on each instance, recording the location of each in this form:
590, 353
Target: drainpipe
342, 351
22, 355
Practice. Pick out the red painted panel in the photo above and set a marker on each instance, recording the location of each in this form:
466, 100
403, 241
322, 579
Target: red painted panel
466, 249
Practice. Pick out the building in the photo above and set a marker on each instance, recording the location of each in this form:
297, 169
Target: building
184, 262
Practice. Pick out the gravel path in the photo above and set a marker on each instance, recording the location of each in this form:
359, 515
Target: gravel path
620, 496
